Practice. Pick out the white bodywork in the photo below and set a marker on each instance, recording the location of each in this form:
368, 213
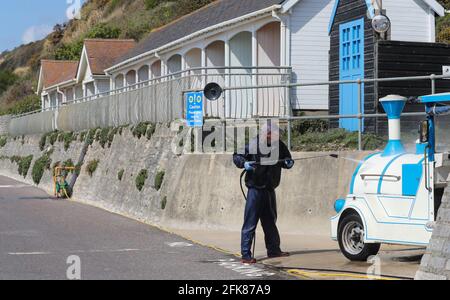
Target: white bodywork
378, 196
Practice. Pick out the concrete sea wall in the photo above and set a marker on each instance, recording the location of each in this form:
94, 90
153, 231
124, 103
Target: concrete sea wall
198, 191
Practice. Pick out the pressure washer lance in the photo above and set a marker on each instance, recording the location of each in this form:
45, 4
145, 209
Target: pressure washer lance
273, 163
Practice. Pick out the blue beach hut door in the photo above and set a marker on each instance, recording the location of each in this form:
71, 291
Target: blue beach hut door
351, 67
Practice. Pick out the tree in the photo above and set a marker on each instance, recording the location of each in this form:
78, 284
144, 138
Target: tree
104, 31
7, 78
445, 3
443, 25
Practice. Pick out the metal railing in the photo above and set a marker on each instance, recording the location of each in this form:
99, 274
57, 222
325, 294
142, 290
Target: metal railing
195, 78
160, 99
360, 82
360, 116
250, 93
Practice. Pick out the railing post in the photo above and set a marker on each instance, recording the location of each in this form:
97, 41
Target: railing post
224, 123
433, 83
360, 120
55, 119
289, 103
289, 130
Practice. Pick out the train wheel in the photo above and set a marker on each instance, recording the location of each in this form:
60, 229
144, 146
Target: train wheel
351, 239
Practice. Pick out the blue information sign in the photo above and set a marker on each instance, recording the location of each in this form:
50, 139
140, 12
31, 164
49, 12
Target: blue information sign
194, 112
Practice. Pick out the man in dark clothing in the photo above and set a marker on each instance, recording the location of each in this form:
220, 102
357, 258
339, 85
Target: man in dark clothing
263, 176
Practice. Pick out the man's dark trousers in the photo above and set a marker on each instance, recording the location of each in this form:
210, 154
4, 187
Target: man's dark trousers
261, 205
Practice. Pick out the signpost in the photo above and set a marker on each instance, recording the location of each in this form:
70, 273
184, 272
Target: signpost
194, 111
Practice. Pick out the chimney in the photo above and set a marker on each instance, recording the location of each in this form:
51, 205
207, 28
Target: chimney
393, 106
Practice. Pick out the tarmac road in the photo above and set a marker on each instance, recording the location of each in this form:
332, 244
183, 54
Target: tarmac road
39, 234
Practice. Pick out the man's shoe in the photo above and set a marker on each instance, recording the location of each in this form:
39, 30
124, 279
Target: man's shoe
250, 261
282, 254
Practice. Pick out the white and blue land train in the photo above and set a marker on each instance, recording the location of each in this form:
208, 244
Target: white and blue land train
394, 195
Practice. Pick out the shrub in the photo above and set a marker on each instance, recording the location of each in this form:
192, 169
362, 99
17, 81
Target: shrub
150, 4
159, 179
111, 135
43, 141
120, 174
39, 167
334, 140
104, 31
70, 51
53, 137
68, 138
102, 136
304, 126
151, 131
82, 136
19, 98
113, 4
91, 136
140, 130
26, 104
135, 30
372, 141
7, 78
3, 141
121, 128
92, 167
443, 29
24, 165
15, 159
141, 179
164, 203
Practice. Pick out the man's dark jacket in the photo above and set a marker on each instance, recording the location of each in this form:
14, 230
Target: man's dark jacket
265, 176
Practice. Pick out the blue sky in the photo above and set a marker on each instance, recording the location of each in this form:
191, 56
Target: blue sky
23, 21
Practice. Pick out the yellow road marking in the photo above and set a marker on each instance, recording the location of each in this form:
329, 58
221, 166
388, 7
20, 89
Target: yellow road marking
311, 274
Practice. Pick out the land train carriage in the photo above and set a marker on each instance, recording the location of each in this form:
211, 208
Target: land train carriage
394, 195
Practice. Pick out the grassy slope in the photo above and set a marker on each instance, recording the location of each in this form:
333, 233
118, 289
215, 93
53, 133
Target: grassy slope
100, 19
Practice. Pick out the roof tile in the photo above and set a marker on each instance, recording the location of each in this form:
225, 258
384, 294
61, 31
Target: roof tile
215, 13
102, 53
58, 71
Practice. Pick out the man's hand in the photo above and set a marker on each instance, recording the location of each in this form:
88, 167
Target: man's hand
289, 163
249, 166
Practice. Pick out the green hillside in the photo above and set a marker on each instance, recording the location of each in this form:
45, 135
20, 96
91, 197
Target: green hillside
100, 19
443, 25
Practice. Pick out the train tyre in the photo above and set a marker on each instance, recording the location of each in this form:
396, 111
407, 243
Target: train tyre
351, 236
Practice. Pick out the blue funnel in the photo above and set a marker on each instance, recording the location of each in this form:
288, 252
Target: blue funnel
393, 106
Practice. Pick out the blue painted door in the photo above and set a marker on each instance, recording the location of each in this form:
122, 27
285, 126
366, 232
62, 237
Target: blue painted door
351, 68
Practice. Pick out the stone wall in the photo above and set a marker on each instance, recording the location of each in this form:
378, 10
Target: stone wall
436, 261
